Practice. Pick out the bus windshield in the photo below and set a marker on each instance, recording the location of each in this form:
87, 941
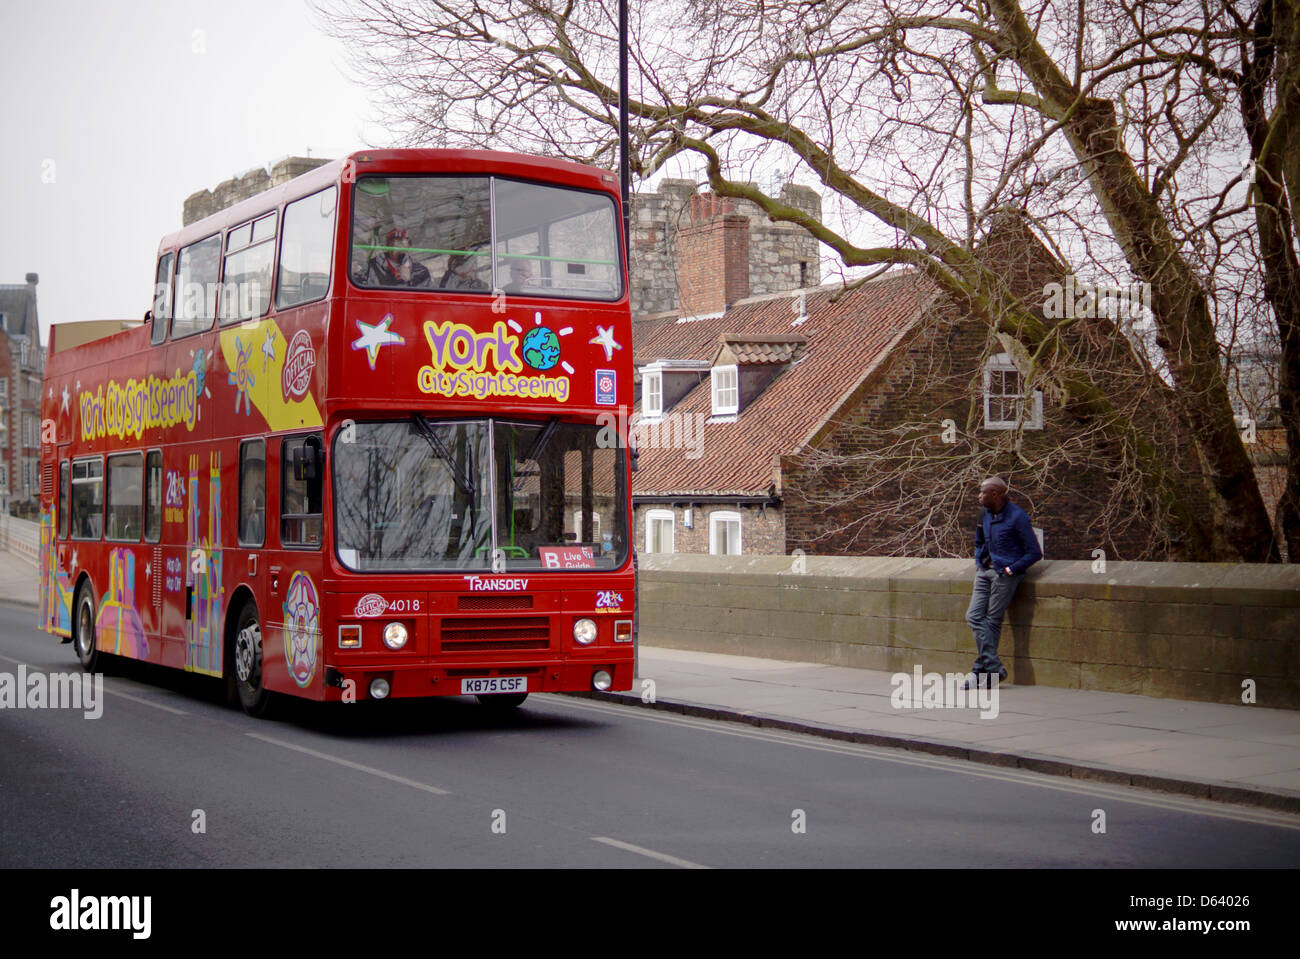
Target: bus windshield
484, 234
478, 495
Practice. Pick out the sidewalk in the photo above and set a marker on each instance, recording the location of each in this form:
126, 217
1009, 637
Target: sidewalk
17, 579
1244, 754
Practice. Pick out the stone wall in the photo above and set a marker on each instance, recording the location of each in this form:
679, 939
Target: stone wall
229, 192
1195, 631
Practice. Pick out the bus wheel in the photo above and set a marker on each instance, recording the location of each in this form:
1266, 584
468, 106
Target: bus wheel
502, 701
83, 635
253, 696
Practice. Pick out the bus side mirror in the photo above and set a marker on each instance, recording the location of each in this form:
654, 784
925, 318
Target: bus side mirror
306, 460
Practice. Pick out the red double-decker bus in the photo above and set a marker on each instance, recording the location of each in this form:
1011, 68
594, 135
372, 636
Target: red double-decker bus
365, 444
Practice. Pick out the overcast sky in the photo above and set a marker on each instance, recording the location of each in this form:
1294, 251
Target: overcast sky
114, 113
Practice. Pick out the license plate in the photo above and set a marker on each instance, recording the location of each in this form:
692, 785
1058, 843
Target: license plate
494, 684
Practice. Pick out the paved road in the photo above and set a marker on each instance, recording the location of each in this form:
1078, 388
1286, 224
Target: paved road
562, 782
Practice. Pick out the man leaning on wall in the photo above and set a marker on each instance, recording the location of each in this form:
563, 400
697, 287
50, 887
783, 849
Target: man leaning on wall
1005, 547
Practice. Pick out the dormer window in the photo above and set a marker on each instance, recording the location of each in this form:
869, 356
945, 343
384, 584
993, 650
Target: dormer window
652, 394
1005, 405
726, 391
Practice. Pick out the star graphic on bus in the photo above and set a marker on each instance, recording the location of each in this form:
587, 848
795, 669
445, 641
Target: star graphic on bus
605, 337
268, 348
375, 336
66, 397
241, 378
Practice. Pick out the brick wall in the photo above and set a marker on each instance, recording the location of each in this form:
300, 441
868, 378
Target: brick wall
924, 404
933, 377
712, 257
762, 531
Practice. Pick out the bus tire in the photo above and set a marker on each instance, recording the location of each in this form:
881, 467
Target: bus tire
83, 630
500, 702
253, 696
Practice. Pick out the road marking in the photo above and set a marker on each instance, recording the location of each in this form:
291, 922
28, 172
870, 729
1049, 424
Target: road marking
112, 692
642, 851
1116, 791
351, 765
144, 702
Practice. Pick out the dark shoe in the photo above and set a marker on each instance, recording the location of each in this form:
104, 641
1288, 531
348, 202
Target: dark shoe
974, 682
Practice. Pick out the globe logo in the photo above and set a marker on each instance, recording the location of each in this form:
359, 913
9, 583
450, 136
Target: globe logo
541, 348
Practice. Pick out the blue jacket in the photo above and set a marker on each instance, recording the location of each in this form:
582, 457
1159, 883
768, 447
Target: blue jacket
1006, 539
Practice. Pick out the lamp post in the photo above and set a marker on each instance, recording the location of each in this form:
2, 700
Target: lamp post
624, 165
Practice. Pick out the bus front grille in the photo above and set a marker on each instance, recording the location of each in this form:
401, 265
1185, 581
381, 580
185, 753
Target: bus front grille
497, 633
479, 603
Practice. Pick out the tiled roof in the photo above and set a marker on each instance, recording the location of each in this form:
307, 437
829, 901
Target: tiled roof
760, 350
845, 340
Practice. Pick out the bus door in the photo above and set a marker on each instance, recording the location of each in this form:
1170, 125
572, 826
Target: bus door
56, 579
291, 646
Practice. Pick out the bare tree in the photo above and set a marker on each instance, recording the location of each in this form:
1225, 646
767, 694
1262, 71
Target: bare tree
1117, 127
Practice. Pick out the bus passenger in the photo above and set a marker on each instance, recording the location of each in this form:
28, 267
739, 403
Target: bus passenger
392, 267
521, 276
461, 274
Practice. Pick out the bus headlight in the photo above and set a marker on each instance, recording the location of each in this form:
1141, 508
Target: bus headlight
601, 680
584, 631
395, 636
379, 688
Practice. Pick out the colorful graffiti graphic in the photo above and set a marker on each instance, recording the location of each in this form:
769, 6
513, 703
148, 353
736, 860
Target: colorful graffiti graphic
118, 627
301, 628
282, 409
55, 594
241, 377
203, 653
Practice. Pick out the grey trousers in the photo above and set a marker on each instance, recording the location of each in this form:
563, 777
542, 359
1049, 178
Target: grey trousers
989, 600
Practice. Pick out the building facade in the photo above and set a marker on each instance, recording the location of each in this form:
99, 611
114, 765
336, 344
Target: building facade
22, 366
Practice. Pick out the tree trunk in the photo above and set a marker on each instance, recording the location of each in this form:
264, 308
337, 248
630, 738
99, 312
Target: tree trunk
1184, 327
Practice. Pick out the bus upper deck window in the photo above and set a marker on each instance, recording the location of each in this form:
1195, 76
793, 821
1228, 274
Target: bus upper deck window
162, 300
305, 248
196, 287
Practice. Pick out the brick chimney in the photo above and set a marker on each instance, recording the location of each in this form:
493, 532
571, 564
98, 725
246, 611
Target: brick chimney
712, 256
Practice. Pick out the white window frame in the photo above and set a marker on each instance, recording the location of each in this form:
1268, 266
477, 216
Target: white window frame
1001, 363
652, 389
658, 515
719, 389
716, 519
577, 526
